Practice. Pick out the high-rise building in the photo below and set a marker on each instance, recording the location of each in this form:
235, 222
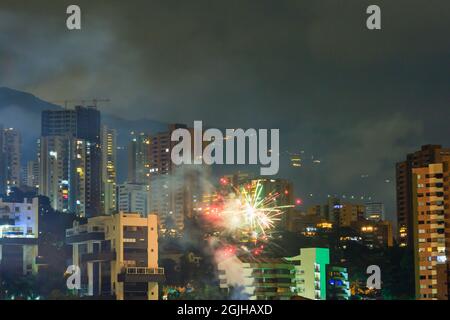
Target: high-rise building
19, 236
2, 164
428, 154
311, 272
374, 211
133, 197
66, 170
80, 122
174, 190
138, 158
167, 187
109, 169
118, 256
431, 228
70, 160
10, 158
258, 278
54, 172
30, 174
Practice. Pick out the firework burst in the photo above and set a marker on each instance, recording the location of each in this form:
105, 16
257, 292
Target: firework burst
249, 212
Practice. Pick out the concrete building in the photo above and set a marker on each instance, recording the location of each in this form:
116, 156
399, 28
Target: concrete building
79, 122
54, 173
2, 165
348, 213
10, 158
374, 211
174, 190
311, 272
309, 225
31, 174
109, 170
19, 236
428, 154
117, 256
430, 221
138, 158
258, 278
374, 234
66, 169
338, 286
132, 197
167, 196
70, 160
340, 213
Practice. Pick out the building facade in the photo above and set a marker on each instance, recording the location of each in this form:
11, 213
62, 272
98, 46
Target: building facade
428, 154
109, 170
375, 234
374, 211
431, 209
338, 286
258, 279
138, 158
66, 171
340, 213
311, 272
2, 164
31, 174
70, 160
132, 197
117, 256
19, 237
173, 190
10, 159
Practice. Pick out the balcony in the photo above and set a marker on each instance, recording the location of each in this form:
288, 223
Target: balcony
98, 256
84, 233
84, 228
141, 274
19, 241
76, 230
7, 221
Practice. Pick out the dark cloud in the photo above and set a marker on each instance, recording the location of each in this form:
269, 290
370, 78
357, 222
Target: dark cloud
357, 99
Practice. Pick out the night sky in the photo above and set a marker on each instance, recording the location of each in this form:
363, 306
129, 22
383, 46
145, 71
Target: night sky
357, 100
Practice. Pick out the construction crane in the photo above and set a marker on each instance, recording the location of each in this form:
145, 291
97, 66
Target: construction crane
94, 101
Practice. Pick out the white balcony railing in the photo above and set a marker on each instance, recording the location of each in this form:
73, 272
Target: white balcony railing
143, 270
